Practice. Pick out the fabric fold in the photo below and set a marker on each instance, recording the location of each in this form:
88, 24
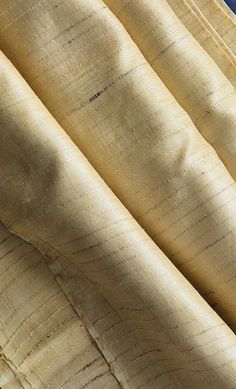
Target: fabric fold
96, 83
43, 342
207, 37
186, 69
222, 22
226, 8
157, 329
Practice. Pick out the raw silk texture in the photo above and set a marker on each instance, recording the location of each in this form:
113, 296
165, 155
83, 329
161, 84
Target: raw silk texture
117, 194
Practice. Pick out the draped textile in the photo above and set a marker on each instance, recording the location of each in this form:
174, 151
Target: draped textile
117, 194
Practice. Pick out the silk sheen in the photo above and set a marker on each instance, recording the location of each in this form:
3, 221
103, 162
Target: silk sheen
117, 194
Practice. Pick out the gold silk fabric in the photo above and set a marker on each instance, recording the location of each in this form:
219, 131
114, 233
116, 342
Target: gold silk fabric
117, 194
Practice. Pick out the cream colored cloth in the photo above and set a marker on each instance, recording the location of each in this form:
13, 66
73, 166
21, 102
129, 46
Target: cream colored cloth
117, 174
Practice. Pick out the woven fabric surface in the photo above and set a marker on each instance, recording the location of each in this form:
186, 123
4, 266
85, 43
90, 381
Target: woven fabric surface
117, 194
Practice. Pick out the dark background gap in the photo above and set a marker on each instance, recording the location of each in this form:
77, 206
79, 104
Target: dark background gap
231, 4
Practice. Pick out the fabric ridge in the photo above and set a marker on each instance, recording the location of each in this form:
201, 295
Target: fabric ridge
117, 194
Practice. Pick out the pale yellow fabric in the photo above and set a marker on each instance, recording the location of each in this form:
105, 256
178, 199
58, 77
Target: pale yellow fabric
222, 22
118, 165
43, 341
225, 8
200, 28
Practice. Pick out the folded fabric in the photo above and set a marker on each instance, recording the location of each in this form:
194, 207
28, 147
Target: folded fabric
117, 174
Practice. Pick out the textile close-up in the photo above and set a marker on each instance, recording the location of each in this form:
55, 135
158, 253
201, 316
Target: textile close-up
117, 194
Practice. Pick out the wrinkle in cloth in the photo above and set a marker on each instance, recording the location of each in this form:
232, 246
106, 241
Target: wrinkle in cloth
117, 194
